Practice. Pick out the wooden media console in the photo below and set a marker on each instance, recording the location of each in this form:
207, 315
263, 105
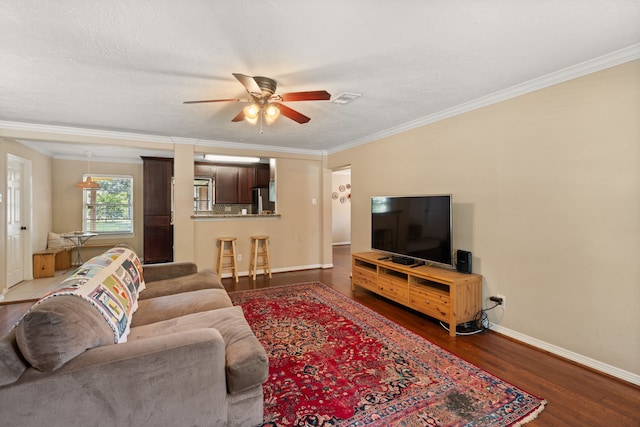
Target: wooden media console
446, 295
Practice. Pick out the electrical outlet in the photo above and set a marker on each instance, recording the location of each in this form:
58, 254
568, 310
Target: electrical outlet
499, 299
504, 300
239, 257
227, 208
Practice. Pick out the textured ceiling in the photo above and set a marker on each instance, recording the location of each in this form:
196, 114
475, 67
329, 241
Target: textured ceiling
127, 66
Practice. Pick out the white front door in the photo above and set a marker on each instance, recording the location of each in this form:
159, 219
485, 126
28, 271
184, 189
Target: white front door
16, 224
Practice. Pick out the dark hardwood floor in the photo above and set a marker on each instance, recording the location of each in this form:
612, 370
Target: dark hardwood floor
576, 396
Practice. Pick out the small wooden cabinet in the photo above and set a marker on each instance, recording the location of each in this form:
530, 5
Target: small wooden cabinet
446, 295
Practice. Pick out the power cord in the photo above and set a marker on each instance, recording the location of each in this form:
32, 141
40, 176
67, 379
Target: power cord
480, 323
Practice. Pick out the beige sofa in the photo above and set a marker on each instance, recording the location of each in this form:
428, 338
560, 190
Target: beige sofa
189, 358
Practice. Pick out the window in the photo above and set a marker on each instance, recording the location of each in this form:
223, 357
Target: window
109, 208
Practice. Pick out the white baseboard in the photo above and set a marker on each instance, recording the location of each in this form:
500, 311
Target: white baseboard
281, 269
301, 267
570, 355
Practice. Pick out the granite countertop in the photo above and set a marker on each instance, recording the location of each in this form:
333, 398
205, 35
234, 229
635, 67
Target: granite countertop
208, 215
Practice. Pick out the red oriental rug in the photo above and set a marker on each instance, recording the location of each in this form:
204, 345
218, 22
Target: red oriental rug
335, 362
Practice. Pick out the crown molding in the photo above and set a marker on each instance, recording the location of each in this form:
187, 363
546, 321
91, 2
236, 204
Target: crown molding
139, 137
40, 148
600, 63
82, 132
35, 147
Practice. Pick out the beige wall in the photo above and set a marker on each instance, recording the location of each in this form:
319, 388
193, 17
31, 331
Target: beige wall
299, 181
67, 199
546, 192
296, 236
184, 248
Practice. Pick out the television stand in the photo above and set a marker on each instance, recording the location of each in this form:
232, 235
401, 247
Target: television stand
402, 260
446, 295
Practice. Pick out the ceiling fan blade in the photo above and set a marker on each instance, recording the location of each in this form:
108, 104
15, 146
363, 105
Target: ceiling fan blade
313, 95
292, 114
218, 100
248, 82
239, 117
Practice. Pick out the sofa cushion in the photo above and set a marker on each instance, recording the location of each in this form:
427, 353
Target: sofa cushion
205, 279
169, 306
12, 364
247, 364
59, 329
165, 270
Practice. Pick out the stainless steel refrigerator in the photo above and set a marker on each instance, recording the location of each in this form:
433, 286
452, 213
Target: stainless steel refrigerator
261, 201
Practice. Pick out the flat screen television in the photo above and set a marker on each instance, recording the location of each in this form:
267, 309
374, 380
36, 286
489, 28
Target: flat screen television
413, 229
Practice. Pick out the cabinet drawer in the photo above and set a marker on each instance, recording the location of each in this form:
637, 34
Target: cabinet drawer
430, 302
393, 289
366, 279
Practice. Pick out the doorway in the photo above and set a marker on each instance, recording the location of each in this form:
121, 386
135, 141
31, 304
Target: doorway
18, 205
341, 206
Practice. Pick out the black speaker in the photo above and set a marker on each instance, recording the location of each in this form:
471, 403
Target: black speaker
463, 261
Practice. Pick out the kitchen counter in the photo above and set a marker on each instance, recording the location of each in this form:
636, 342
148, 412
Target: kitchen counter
211, 215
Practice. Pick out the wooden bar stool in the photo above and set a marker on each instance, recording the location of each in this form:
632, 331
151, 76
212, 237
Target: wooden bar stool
227, 256
259, 248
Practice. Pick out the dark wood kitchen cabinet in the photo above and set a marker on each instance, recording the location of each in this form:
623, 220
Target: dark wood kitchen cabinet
263, 176
226, 184
158, 226
246, 181
233, 184
250, 177
204, 171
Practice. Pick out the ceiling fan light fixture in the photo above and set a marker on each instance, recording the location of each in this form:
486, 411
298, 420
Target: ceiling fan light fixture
265, 102
251, 113
271, 113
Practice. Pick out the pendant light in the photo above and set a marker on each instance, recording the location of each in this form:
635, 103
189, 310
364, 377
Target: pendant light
88, 184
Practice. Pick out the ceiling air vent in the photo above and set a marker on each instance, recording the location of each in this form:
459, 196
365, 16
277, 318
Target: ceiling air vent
346, 97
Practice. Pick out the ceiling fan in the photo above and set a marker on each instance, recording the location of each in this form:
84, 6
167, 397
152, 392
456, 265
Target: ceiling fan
266, 103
